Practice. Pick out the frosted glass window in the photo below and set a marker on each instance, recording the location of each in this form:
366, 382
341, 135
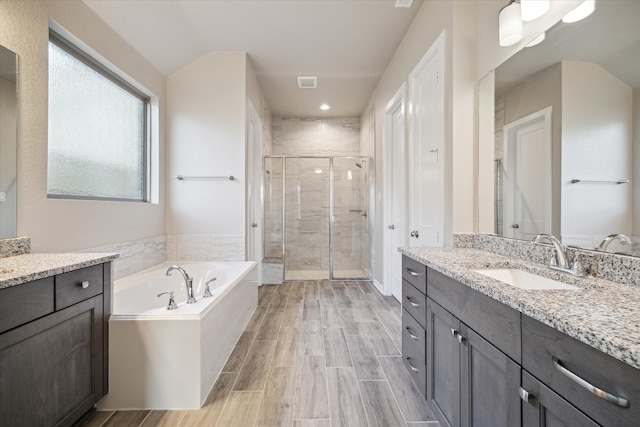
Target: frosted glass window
97, 130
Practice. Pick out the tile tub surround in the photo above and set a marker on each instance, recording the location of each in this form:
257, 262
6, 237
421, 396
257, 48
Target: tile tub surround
607, 266
29, 267
15, 246
602, 314
135, 255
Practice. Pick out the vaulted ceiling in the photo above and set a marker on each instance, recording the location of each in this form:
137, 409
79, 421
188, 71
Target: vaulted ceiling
347, 44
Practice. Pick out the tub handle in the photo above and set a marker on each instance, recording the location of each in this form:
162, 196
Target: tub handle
207, 290
172, 300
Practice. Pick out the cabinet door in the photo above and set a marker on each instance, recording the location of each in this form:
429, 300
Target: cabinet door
443, 364
489, 383
543, 407
51, 367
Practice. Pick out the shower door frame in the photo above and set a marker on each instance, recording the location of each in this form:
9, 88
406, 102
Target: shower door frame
370, 216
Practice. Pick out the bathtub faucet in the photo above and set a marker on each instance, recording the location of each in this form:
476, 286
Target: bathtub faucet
188, 281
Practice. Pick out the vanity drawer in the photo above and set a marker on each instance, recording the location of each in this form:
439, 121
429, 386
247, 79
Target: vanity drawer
496, 322
414, 273
414, 302
413, 350
541, 344
78, 285
23, 303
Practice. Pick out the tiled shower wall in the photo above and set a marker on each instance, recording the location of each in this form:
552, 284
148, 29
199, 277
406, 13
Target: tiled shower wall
307, 215
316, 137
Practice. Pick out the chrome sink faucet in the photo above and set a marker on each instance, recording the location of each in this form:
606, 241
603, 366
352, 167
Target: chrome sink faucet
560, 261
612, 237
188, 281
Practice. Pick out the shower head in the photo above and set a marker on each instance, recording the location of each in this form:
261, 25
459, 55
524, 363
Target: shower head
360, 163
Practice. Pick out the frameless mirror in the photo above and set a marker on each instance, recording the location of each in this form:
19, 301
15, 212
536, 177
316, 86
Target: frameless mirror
8, 142
567, 133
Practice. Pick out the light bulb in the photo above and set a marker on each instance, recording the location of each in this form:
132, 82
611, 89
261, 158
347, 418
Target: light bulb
510, 24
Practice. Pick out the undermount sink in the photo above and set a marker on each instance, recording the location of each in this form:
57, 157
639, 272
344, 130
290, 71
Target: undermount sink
523, 279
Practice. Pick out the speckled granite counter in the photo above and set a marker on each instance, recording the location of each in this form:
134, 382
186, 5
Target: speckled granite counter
602, 314
20, 269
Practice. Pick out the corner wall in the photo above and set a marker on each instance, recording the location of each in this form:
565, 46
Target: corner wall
58, 225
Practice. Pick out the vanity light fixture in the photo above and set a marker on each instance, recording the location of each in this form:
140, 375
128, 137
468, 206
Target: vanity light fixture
324, 107
537, 40
533, 9
510, 24
583, 10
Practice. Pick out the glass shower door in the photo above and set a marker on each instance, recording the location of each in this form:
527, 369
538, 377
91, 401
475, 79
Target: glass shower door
307, 196
350, 228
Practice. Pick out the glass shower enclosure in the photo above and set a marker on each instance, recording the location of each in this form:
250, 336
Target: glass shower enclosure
317, 216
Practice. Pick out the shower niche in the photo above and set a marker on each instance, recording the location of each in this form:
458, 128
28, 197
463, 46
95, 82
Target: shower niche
317, 216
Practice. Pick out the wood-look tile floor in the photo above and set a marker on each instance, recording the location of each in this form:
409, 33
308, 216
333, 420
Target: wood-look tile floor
314, 354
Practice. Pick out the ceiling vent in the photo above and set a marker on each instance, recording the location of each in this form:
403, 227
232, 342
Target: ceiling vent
403, 3
307, 82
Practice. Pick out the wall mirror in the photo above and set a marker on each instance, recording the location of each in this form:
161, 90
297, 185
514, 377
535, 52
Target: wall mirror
566, 146
8, 142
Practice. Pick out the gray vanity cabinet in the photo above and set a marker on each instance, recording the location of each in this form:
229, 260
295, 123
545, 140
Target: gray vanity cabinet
414, 282
443, 364
543, 407
53, 366
605, 389
471, 382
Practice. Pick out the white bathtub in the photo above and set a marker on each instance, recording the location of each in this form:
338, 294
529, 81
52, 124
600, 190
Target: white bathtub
170, 359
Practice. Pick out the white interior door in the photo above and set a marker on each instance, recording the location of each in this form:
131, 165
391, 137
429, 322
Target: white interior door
426, 138
254, 189
527, 197
395, 190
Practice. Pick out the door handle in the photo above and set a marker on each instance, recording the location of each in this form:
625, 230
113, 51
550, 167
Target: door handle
391, 227
515, 226
414, 234
254, 225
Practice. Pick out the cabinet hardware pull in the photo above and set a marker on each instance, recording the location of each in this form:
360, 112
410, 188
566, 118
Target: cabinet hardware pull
412, 303
415, 337
413, 368
413, 273
85, 284
620, 401
457, 335
524, 394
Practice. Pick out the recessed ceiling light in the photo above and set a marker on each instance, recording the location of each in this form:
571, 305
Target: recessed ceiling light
324, 107
403, 3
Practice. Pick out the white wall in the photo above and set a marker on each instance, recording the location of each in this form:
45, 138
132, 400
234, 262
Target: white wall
596, 145
457, 19
56, 225
207, 120
206, 132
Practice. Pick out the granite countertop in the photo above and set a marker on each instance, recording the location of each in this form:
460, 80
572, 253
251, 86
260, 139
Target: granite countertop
602, 314
20, 269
